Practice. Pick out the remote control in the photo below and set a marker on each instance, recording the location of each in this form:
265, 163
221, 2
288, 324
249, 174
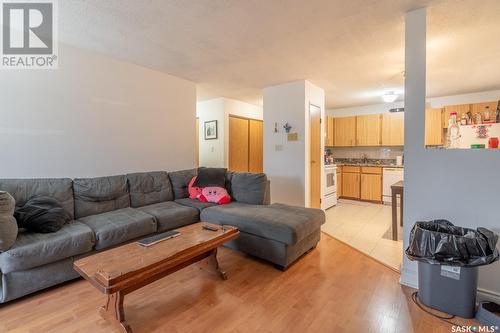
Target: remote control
209, 227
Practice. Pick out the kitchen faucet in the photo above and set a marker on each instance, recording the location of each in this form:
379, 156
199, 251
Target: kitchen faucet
364, 158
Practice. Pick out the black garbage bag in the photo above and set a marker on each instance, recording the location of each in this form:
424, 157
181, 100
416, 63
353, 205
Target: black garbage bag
440, 242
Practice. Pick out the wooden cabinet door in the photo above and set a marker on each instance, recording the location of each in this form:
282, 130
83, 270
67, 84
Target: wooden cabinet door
491, 107
459, 109
345, 132
238, 144
255, 158
393, 128
433, 127
371, 187
331, 132
368, 130
351, 185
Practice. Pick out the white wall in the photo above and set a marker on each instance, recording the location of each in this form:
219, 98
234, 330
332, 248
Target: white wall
215, 153
286, 163
212, 152
458, 185
94, 116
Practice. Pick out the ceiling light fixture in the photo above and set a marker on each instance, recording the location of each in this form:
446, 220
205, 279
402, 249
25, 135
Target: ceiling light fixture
389, 97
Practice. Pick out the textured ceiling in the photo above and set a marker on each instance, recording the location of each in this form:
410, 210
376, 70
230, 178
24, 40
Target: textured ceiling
234, 48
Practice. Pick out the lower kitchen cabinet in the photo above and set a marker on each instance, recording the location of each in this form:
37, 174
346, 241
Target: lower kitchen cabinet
351, 185
371, 187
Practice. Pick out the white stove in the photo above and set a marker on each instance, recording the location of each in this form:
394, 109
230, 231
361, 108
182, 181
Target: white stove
330, 190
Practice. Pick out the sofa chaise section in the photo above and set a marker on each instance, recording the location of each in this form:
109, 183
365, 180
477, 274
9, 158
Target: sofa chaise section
277, 233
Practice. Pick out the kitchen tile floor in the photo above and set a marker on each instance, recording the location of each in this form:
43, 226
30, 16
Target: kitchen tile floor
366, 227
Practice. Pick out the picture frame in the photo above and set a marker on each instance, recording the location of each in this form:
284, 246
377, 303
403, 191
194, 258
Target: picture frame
210, 128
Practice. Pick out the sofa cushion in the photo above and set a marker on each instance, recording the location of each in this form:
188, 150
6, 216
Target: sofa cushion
34, 249
8, 224
148, 188
112, 228
283, 223
99, 195
60, 189
180, 181
248, 188
195, 203
170, 215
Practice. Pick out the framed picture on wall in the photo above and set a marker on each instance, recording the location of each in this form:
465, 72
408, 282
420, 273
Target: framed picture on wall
211, 130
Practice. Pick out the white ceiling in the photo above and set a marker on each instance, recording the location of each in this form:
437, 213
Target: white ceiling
234, 48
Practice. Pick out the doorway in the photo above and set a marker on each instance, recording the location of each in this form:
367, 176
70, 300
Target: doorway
315, 156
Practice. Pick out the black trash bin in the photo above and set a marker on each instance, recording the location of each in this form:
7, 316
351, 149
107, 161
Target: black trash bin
448, 259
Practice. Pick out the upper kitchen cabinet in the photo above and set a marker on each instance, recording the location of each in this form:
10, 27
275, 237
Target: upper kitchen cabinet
368, 130
329, 128
345, 132
393, 124
459, 109
487, 110
433, 127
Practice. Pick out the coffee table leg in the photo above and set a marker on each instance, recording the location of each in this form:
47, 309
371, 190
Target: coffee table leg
215, 264
113, 312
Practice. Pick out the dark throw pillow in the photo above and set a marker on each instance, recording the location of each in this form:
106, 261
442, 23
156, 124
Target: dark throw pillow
210, 177
41, 214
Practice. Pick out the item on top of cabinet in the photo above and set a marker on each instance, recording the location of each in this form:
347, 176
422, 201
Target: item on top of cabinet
477, 146
493, 142
469, 118
478, 118
486, 114
463, 120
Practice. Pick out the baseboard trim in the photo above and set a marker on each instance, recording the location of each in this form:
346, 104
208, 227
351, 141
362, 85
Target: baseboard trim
409, 278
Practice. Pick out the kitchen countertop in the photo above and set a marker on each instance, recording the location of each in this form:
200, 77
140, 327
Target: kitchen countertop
369, 165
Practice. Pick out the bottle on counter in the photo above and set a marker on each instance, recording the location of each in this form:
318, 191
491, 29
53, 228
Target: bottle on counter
453, 134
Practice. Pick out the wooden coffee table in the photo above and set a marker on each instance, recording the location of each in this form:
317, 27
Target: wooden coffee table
121, 270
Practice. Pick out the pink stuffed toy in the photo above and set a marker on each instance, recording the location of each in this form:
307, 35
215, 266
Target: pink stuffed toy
194, 192
215, 194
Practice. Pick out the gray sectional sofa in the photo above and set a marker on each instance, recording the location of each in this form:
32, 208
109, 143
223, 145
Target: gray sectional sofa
108, 211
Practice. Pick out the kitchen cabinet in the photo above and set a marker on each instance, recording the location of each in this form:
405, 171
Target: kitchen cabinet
393, 124
459, 109
351, 180
345, 132
329, 131
339, 181
433, 127
482, 108
368, 130
371, 184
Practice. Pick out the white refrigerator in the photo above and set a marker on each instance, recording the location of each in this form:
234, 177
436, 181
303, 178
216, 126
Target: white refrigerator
478, 134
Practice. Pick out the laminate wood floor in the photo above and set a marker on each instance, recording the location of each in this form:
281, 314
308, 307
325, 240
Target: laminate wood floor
332, 289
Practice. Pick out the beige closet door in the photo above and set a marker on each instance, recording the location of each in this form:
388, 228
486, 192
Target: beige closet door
255, 160
238, 144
